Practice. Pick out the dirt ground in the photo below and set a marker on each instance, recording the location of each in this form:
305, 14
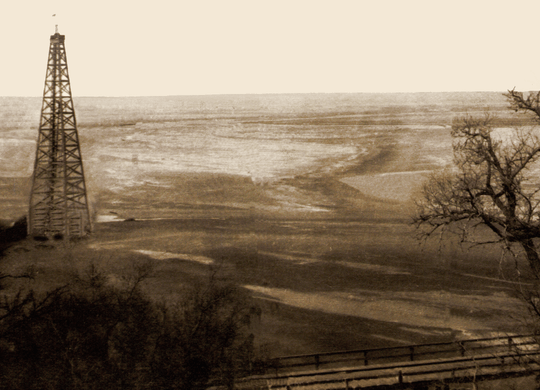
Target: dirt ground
305, 202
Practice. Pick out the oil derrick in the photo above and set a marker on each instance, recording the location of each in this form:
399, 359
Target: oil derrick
58, 201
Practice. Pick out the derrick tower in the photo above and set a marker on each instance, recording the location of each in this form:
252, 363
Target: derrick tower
58, 201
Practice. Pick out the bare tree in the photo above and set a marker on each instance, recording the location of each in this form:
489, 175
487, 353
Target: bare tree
490, 186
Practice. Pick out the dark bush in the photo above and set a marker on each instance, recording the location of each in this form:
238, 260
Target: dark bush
91, 334
10, 234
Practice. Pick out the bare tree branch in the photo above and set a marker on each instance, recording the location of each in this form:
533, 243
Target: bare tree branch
486, 187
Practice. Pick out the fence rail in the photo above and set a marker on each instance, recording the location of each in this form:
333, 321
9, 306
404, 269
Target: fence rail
365, 357
394, 365
458, 370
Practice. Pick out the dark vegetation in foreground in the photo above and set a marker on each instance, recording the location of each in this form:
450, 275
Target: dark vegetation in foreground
10, 233
99, 332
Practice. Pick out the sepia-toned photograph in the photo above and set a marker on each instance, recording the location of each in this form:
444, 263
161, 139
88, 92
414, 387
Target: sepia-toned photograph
270, 195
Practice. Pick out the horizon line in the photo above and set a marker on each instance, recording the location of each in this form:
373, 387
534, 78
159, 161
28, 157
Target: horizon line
269, 93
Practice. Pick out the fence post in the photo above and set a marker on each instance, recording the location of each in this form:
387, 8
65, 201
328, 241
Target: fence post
316, 362
276, 363
462, 347
365, 358
412, 352
510, 342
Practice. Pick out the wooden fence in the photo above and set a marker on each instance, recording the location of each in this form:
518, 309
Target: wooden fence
365, 357
495, 357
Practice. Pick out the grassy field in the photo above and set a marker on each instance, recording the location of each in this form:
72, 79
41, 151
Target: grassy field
304, 200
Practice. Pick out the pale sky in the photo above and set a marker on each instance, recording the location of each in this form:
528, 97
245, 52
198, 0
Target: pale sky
167, 47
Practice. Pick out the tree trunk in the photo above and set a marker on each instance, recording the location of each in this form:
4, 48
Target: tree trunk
532, 256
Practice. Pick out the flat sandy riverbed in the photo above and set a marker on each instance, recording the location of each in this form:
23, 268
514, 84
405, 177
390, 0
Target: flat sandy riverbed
305, 201
392, 186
